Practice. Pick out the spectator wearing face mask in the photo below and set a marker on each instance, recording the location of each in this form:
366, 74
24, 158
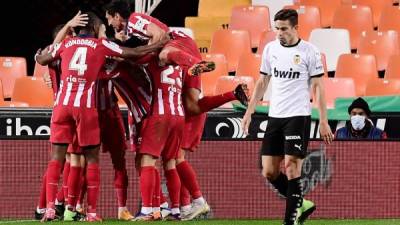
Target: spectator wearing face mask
360, 126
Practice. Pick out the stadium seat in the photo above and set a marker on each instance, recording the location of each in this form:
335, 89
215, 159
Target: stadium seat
309, 19
10, 69
390, 18
337, 88
273, 5
208, 80
361, 68
254, 19
231, 43
184, 30
383, 87
39, 70
393, 68
376, 6
381, 44
33, 91
249, 65
323, 59
204, 27
229, 83
354, 18
265, 38
326, 8
219, 8
331, 42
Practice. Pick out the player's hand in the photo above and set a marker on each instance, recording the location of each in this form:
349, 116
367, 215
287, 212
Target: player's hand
121, 36
326, 132
246, 122
79, 20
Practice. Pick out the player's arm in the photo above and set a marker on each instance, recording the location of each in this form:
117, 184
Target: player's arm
78, 20
191, 101
155, 33
144, 49
318, 90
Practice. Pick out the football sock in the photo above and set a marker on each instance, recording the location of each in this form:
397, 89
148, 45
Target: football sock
65, 175
157, 188
147, 184
210, 102
121, 186
42, 197
189, 179
294, 200
74, 184
93, 183
174, 186
185, 196
281, 184
52, 178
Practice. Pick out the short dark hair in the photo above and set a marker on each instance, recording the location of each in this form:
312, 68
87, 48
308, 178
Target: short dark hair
93, 22
118, 6
287, 14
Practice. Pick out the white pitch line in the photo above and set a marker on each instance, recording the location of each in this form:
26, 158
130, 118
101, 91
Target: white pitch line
17, 221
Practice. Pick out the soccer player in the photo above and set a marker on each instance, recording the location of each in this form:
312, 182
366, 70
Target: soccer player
74, 112
180, 50
292, 66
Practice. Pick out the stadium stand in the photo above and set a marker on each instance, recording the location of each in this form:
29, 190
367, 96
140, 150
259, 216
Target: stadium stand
219, 8
383, 87
393, 68
337, 88
265, 38
228, 83
39, 70
376, 7
327, 9
249, 65
10, 69
210, 79
309, 19
32, 91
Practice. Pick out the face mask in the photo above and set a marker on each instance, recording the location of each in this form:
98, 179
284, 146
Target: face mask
357, 122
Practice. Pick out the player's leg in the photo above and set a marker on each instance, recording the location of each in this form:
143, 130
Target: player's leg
156, 196
41, 207
93, 181
173, 186
271, 171
74, 186
80, 207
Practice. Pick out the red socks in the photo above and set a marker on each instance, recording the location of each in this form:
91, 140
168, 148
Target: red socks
52, 178
42, 198
174, 187
65, 181
93, 183
121, 186
189, 179
147, 184
185, 196
182, 58
157, 189
210, 102
74, 184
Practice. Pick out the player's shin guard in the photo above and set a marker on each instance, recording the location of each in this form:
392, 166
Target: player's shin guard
281, 184
294, 200
189, 179
147, 184
74, 186
93, 183
185, 196
121, 186
65, 176
208, 103
42, 197
52, 177
174, 186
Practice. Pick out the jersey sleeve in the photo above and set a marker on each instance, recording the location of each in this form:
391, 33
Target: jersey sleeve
265, 68
110, 48
56, 50
137, 24
315, 66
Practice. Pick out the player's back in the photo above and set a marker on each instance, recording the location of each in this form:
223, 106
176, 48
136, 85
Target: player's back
138, 22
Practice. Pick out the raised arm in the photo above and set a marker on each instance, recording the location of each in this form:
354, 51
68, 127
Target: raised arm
78, 20
318, 90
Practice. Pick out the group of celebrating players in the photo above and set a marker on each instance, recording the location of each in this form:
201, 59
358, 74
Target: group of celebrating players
157, 75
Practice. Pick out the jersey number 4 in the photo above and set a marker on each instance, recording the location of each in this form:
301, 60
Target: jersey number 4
78, 61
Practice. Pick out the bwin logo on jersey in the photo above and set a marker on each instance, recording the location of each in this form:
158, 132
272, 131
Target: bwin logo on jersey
286, 74
238, 132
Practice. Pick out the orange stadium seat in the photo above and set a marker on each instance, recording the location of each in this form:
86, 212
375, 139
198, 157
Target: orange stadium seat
209, 79
10, 69
265, 38
249, 65
337, 88
33, 91
381, 44
376, 6
231, 43
309, 19
40, 70
390, 18
219, 7
361, 68
393, 68
326, 8
354, 18
229, 83
383, 87
254, 19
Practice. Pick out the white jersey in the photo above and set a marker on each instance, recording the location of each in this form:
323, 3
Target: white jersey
291, 69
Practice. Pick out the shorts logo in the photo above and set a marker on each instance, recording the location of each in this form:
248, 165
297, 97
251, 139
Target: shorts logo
297, 146
295, 137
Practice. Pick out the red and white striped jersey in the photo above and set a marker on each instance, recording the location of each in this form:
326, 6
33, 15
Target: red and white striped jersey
55, 75
82, 58
167, 84
134, 86
138, 22
105, 95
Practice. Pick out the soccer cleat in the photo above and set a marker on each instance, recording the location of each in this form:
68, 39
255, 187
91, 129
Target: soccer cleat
60, 210
143, 217
90, 218
185, 213
157, 215
174, 217
197, 210
201, 67
38, 215
49, 215
125, 215
73, 216
240, 94
165, 212
306, 209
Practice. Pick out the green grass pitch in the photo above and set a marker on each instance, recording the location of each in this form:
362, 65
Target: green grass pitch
222, 222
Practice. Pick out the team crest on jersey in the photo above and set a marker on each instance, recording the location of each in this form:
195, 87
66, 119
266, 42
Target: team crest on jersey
296, 59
